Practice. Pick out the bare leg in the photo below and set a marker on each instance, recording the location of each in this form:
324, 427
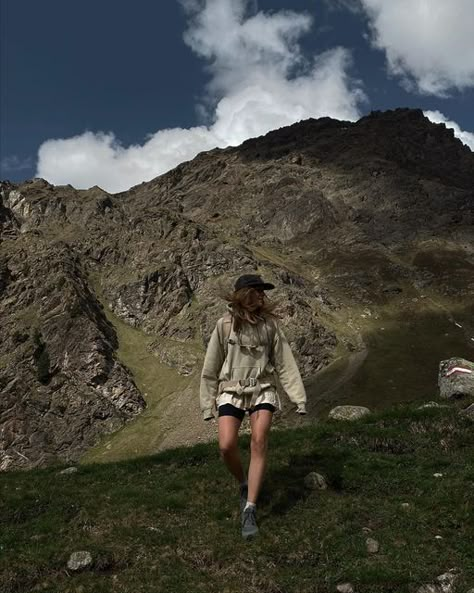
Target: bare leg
228, 434
260, 422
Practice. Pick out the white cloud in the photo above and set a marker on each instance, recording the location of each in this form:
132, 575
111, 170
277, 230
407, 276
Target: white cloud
428, 43
439, 118
100, 159
260, 81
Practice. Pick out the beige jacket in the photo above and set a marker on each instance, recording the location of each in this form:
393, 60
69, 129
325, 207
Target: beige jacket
256, 353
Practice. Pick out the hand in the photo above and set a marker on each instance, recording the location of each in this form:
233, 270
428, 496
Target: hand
207, 414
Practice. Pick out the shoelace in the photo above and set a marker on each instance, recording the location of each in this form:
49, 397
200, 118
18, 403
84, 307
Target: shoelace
249, 517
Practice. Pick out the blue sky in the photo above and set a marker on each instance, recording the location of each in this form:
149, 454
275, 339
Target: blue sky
116, 92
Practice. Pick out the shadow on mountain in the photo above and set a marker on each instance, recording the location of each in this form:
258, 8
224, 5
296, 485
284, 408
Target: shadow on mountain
403, 355
403, 137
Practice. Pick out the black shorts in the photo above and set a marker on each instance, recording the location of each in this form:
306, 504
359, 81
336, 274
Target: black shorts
230, 410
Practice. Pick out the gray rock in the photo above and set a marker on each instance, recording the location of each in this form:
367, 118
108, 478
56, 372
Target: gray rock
429, 405
68, 470
447, 580
348, 412
444, 583
79, 560
345, 588
70, 388
315, 481
373, 545
456, 378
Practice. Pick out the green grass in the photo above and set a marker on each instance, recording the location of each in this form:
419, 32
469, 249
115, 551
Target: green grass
169, 522
156, 381
404, 348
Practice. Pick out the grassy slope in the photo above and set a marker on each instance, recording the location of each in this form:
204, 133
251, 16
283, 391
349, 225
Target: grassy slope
404, 349
170, 522
156, 381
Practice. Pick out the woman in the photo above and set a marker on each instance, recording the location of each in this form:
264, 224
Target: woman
246, 347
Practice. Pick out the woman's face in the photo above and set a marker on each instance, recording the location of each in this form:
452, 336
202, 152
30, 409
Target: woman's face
260, 295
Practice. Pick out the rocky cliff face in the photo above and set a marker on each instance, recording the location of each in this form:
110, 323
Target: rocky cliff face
343, 217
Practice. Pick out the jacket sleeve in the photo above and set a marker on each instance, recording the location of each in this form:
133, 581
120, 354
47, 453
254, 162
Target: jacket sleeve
287, 370
213, 362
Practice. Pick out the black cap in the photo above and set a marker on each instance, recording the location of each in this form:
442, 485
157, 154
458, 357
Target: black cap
252, 281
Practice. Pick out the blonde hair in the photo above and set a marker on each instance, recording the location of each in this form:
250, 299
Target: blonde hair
246, 307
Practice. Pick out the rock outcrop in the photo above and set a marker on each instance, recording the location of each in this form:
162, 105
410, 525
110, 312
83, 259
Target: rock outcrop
60, 381
456, 378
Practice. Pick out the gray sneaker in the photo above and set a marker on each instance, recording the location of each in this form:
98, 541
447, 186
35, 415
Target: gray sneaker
249, 523
244, 492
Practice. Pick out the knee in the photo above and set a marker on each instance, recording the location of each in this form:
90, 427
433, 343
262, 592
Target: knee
227, 449
258, 445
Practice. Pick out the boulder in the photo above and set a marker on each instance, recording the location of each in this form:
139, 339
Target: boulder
348, 412
456, 378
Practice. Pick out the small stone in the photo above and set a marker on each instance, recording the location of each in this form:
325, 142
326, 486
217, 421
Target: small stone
79, 560
438, 537
68, 470
430, 404
366, 530
405, 505
373, 545
315, 481
348, 412
345, 588
437, 475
